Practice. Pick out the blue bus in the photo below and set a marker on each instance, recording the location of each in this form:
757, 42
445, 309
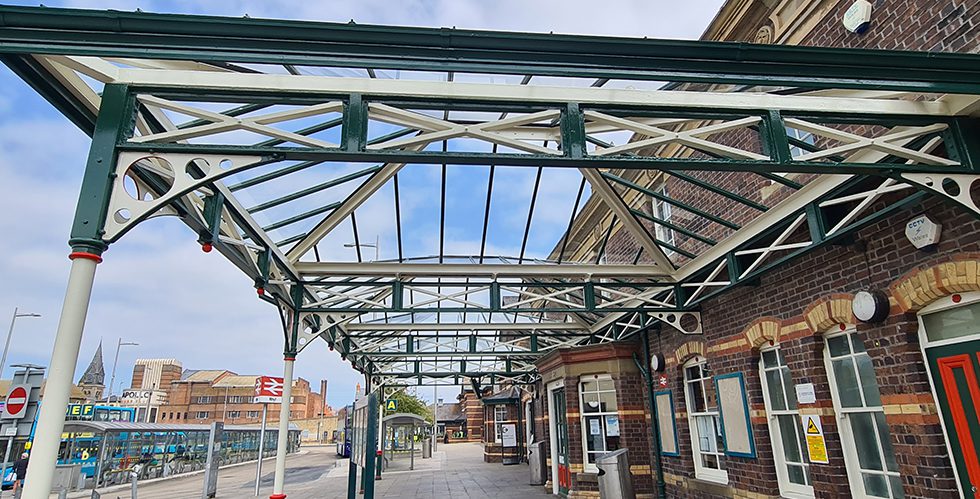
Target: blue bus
75, 448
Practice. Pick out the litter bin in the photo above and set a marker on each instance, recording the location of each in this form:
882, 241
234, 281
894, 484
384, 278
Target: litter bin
615, 481
427, 448
536, 459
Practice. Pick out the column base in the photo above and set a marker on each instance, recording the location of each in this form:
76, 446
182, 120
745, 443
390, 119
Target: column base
277, 496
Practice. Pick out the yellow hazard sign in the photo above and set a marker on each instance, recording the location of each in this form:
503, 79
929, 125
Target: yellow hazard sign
816, 444
391, 405
811, 427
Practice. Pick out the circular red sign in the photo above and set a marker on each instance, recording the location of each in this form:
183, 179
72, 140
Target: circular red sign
16, 400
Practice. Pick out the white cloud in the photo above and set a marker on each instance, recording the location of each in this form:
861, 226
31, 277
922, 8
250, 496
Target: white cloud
157, 288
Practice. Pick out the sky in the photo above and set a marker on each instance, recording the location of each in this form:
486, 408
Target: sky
157, 288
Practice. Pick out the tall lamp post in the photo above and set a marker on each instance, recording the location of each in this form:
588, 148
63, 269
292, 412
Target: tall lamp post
112, 378
10, 332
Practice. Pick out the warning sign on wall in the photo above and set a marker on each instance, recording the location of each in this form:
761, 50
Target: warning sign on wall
816, 444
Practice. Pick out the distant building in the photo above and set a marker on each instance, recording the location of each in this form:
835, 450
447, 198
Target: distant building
92, 382
175, 395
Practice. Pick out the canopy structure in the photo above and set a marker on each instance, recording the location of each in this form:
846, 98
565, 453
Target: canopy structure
509, 184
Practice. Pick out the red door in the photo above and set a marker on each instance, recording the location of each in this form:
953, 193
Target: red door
956, 376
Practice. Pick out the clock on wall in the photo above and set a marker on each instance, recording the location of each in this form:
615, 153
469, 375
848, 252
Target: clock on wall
657, 362
870, 306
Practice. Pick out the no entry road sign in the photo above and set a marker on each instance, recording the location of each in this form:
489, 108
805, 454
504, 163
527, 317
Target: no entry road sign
268, 390
16, 404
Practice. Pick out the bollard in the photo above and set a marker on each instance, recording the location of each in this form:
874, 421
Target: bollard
63, 494
133, 480
96, 495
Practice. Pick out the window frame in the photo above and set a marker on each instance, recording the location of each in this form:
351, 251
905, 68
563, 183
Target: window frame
207, 414
586, 465
852, 463
702, 472
497, 421
663, 211
787, 488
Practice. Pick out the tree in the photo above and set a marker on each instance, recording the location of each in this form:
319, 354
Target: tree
409, 403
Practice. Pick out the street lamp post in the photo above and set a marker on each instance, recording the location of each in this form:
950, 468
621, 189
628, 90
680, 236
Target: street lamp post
10, 332
376, 246
112, 379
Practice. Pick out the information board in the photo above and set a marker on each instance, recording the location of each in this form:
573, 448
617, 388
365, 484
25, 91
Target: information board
666, 424
508, 435
735, 423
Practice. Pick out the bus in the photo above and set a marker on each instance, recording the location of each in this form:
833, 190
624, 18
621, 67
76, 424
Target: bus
344, 432
83, 448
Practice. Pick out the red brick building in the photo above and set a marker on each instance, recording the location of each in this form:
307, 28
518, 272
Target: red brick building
203, 396
891, 396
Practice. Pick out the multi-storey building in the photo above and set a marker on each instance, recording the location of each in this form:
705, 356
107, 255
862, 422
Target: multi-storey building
203, 396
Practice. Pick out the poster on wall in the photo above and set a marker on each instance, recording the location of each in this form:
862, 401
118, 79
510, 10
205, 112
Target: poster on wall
666, 424
735, 423
595, 427
612, 426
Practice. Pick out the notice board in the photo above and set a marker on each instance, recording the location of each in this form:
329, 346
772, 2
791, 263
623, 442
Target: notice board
736, 425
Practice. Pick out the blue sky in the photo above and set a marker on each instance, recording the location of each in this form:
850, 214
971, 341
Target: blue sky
157, 288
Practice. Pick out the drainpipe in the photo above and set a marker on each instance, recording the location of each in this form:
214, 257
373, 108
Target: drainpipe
654, 420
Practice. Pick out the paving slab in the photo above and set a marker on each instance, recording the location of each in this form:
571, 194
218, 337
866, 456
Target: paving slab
455, 471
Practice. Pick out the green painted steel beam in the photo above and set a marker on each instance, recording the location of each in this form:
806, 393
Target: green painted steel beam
718, 190
815, 224
273, 175
114, 125
674, 227
546, 160
31, 30
313, 189
670, 200
302, 216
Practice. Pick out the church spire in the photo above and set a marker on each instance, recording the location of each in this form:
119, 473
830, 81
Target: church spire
95, 374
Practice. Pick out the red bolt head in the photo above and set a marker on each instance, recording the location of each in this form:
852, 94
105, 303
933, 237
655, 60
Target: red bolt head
957, 298
260, 291
206, 247
842, 327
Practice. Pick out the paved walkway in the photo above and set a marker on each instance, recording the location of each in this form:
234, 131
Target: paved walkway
456, 471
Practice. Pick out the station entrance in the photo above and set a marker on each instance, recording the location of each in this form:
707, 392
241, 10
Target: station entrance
535, 203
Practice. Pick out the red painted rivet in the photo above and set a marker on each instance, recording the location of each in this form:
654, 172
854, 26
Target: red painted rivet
206, 247
957, 298
260, 291
843, 327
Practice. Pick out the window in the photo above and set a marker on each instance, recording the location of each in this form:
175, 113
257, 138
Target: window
202, 400
234, 414
702, 414
600, 419
661, 210
202, 415
239, 399
499, 418
788, 441
797, 135
252, 414
868, 455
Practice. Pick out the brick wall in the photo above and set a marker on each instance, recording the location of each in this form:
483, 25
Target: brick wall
804, 298
795, 297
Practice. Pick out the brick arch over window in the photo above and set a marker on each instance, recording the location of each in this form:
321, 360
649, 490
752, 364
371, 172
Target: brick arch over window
690, 349
763, 331
924, 285
828, 311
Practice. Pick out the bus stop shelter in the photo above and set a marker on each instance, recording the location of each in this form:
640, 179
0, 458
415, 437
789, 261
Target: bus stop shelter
275, 141
401, 437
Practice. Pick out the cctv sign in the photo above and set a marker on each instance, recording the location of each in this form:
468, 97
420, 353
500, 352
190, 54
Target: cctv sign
268, 390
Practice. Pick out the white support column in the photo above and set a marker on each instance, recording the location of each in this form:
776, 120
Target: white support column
51, 420
283, 441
